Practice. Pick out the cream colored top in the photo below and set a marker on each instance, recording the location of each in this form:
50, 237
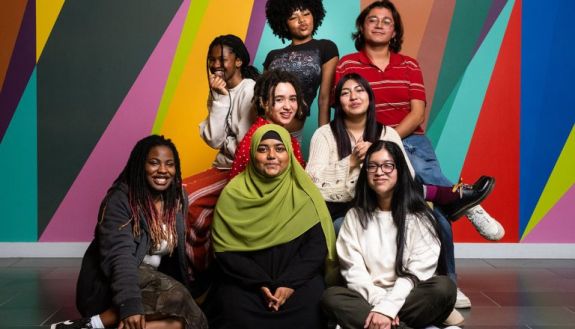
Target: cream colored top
224, 132
332, 175
367, 258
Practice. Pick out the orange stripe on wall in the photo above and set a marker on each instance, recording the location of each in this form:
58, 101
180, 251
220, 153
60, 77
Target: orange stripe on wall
11, 13
433, 46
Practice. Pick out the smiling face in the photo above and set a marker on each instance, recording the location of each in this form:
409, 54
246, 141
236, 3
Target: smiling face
160, 168
354, 99
300, 25
378, 27
381, 175
271, 157
229, 69
282, 107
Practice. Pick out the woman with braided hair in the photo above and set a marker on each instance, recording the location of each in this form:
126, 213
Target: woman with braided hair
231, 81
133, 273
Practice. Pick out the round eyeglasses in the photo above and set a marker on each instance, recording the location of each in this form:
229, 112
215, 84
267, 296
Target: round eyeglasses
386, 167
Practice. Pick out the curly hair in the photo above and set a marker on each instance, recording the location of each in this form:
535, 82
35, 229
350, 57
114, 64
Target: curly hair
265, 88
396, 42
278, 12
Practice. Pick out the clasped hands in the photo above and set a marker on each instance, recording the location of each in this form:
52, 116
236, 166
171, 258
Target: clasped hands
278, 298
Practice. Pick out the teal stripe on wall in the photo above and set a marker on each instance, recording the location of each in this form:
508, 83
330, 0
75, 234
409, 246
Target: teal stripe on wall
453, 144
466, 25
19, 193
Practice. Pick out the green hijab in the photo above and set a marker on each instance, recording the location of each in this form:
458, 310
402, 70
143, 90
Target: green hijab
256, 212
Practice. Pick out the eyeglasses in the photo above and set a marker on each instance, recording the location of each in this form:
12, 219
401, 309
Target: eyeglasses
386, 167
374, 20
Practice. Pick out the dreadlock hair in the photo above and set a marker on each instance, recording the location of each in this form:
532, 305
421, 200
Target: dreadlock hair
396, 42
265, 88
407, 200
141, 195
372, 130
236, 46
278, 12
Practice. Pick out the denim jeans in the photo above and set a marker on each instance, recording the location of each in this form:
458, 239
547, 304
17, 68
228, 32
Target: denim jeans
424, 161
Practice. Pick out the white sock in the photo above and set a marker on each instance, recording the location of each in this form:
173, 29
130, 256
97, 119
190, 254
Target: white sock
96, 322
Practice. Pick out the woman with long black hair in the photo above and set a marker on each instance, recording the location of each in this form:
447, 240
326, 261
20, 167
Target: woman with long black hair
389, 252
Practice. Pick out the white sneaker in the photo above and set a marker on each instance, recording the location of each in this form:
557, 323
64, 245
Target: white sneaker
462, 301
486, 225
454, 319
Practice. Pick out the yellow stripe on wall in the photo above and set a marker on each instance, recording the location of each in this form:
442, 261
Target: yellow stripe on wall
188, 106
47, 12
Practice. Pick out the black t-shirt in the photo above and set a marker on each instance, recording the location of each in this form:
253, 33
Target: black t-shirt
304, 61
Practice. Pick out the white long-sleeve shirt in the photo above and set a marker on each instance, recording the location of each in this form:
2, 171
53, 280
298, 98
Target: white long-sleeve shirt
224, 132
367, 258
330, 174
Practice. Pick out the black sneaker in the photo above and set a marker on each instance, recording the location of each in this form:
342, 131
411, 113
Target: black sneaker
73, 324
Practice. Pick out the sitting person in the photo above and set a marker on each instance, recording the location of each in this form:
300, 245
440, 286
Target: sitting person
274, 242
338, 149
231, 79
133, 274
277, 99
389, 252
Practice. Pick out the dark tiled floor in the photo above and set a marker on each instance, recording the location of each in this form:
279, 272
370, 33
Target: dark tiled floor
506, 294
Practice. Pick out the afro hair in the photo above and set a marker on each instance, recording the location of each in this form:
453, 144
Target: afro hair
278, 12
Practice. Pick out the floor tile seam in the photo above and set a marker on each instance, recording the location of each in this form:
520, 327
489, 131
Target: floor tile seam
43, 323
491, 299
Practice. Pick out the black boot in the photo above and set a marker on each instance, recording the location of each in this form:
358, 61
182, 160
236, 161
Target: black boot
471, 196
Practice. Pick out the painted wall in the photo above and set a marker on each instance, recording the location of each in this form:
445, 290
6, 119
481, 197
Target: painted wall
82, 81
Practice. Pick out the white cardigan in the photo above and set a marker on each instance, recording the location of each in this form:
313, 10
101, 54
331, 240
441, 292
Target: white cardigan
332, 175
367, 258
213, 128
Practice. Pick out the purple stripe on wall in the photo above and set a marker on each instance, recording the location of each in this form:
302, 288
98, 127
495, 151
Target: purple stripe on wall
256, 27
558, 225
76, 216
492, 15
20, 68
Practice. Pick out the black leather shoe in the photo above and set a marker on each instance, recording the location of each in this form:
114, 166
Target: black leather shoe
471, 196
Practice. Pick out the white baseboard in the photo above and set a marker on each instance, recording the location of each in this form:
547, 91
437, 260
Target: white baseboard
515, 250
43, 249
462, 250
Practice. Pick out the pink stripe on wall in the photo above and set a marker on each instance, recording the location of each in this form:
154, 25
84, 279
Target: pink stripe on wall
256, 27
432, 47
558, 225
77, 214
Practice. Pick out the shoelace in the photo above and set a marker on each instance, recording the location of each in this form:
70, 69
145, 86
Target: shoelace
460, 186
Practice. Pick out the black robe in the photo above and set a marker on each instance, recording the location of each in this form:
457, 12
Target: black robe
237, 301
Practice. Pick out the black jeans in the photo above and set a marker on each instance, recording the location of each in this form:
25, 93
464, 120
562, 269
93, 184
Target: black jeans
429, 303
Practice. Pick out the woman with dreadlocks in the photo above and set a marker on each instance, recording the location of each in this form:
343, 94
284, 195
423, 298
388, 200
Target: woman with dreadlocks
231, 81
133, 273
313, 61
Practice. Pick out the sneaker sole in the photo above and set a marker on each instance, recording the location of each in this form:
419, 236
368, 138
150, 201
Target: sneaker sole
461, 211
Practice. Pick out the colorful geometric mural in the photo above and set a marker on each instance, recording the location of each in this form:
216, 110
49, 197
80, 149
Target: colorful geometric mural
81, 82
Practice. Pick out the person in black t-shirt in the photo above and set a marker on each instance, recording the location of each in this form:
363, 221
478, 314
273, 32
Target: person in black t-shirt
312, 61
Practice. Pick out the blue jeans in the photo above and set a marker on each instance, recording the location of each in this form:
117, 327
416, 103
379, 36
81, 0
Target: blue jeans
427, 170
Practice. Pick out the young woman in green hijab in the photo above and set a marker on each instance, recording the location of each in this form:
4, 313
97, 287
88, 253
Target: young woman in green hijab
274, 242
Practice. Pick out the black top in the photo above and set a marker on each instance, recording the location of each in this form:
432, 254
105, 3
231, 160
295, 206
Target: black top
305, 62
109, 273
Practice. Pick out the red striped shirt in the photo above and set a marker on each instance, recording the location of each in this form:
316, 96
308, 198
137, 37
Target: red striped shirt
394, 88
